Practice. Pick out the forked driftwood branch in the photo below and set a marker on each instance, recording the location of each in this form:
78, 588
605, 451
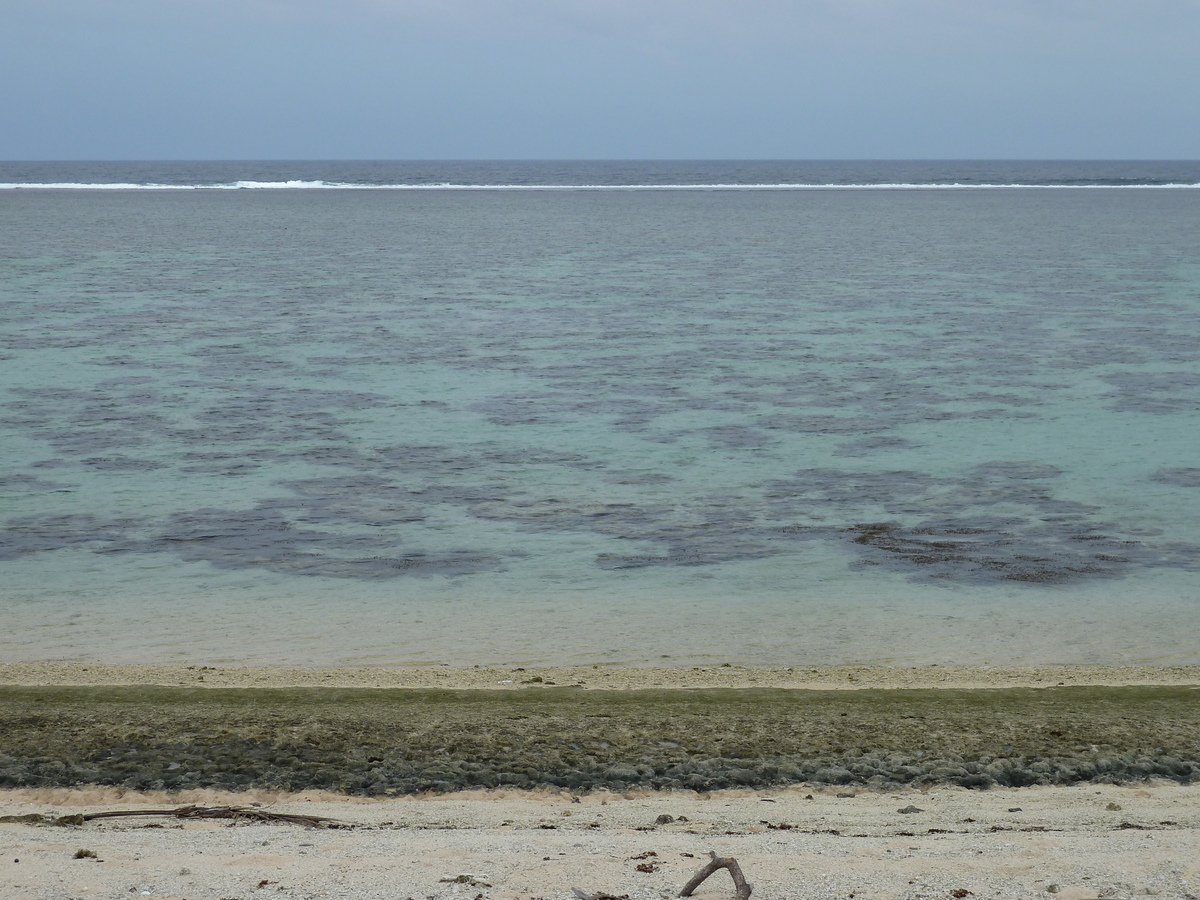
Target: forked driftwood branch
201, 812
741, 885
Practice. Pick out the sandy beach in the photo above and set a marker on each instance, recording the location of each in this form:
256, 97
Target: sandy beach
1076, 842
590, 822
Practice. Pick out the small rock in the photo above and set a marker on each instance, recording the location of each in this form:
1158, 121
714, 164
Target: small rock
466, 878
910, 809
1113, 807
1053, 889
664, 819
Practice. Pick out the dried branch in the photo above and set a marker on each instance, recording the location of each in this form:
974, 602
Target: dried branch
210, 812
740, 883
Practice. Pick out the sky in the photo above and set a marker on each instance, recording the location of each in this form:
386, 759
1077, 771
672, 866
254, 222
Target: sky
599, 79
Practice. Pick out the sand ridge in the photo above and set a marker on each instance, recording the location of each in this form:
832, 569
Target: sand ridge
597, 677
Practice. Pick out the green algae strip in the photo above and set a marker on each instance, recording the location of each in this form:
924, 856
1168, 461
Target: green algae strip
393, 741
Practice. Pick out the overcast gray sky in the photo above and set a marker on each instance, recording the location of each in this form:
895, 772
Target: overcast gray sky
560, 79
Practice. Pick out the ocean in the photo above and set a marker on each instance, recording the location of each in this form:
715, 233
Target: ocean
652, 413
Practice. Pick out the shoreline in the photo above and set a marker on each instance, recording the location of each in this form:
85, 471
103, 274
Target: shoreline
598, 677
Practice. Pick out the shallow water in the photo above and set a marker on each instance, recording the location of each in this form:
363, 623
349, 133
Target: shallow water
570, 426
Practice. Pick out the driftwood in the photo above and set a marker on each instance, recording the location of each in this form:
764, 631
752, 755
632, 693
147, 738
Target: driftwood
183, 812
741, 885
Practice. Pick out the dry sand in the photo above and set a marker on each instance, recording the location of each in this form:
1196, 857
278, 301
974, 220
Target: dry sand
1069, 843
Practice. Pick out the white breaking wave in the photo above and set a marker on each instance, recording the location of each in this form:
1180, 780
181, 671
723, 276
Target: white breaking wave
342, 186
